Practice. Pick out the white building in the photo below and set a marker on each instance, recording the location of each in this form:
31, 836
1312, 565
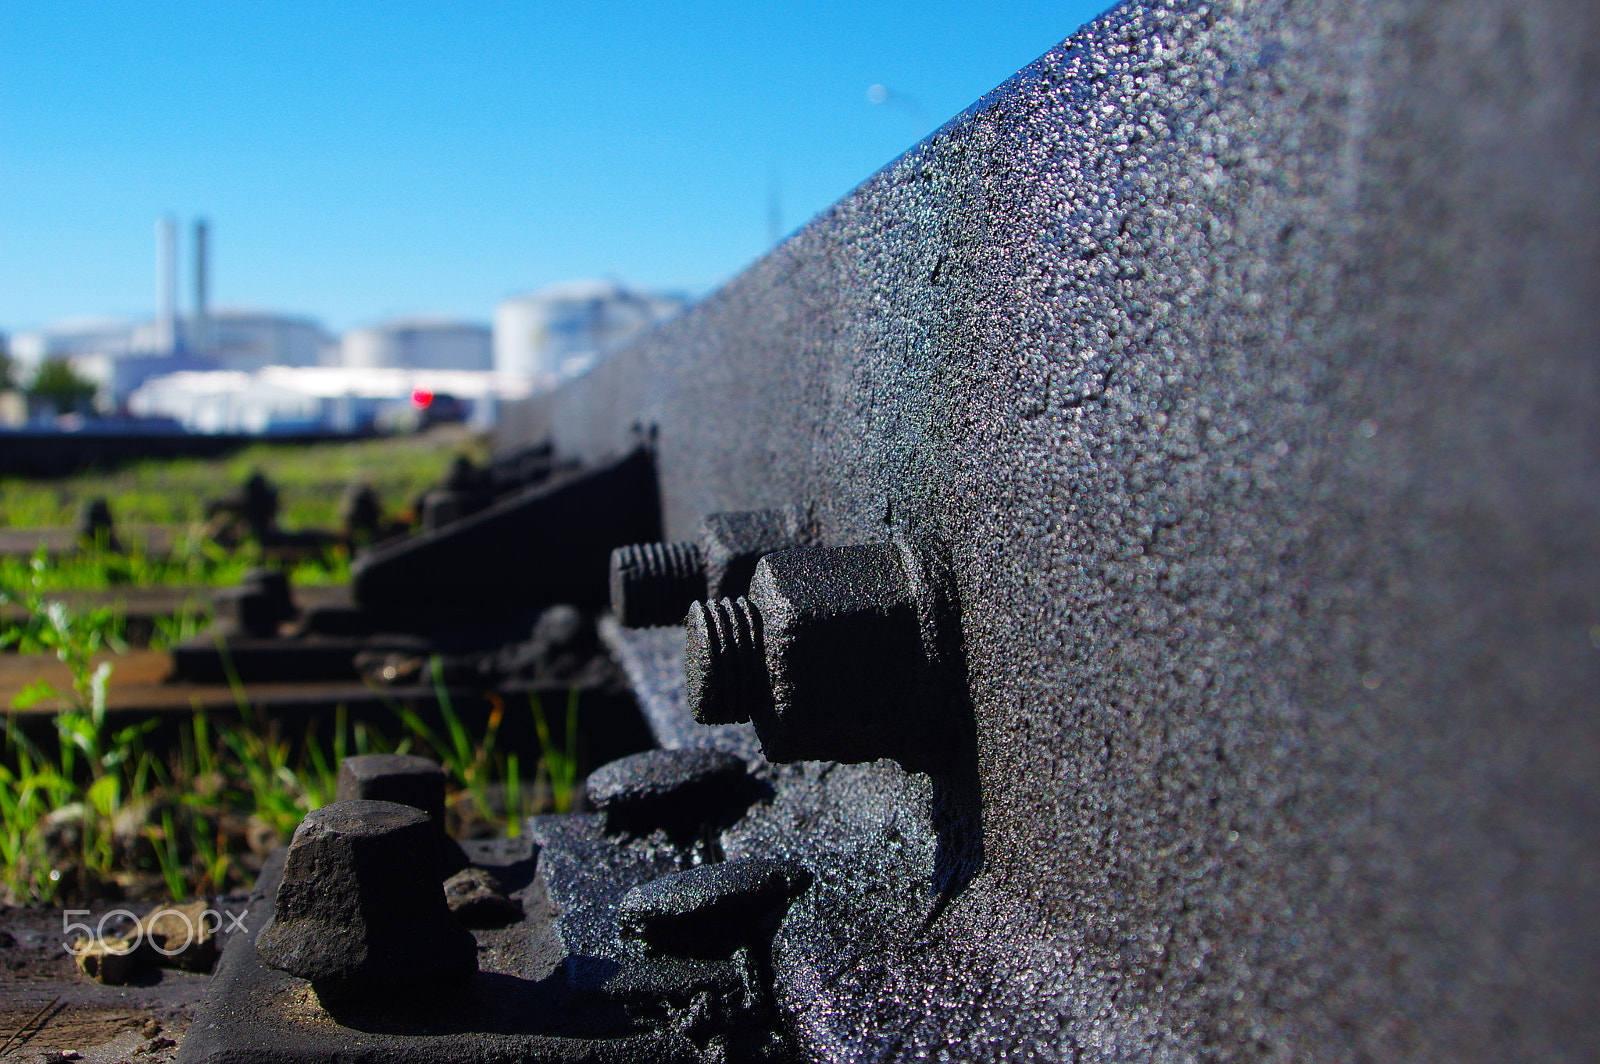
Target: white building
248, 340
115, 353
119, 354
317, 398
73, 337
418, 343
560, 331
117, 375
226, 401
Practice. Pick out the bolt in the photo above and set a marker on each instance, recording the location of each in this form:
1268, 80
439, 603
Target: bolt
360, 908
649, 581
360, 513
258, 605
407, 780
734, 542
402, 778
441, 508
713, 910
837, 654
676, 790
260, 506
656, 583
95, 524
464, 476
725, 659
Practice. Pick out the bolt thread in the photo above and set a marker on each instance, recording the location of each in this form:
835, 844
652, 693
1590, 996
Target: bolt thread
656, 583
725, 661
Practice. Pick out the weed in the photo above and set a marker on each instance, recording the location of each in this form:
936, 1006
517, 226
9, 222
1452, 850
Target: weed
180, 627
86, 813
104, 814
559, 765
194, 560
165, 845
470, 764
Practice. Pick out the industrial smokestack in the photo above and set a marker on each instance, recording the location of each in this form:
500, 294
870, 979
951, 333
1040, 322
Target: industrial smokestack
167, 285
201, 341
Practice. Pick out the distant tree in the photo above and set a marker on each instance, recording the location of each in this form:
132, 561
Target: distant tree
8, 366
59, 385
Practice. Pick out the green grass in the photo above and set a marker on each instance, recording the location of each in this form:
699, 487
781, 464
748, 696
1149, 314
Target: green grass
193, 562
311, 480
103, 812
101, 809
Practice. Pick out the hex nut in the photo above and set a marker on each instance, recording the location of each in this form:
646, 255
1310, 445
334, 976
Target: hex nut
710, 911
404, 778
95, 524
675, 790
442, 507
408, 780
837, 653
650, 582
653, 584
360, 908
733, 543
260, 603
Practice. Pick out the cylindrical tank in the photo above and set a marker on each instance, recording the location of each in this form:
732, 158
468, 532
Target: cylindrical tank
558, 329
418, 343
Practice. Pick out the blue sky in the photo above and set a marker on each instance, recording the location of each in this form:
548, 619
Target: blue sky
359, 160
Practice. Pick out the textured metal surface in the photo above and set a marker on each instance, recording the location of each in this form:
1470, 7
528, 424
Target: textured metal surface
653, 583
653, 661
677, 791
1244, 358
360, 911
511, 1011
543, 544
838, 654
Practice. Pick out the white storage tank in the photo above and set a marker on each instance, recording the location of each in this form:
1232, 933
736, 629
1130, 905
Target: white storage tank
248, 340
561, 330
418, 343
